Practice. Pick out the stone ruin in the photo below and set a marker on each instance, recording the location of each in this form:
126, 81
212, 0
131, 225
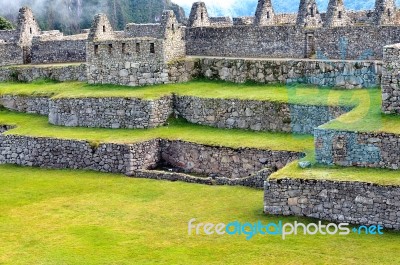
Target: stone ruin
265, 35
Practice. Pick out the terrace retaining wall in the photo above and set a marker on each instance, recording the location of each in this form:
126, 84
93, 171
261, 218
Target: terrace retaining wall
28, 104
74, 154
110, 112
223, 162
338, 73
337, 201
60, 73
220, 165
255, 115
361, 149
137, 113
342, 74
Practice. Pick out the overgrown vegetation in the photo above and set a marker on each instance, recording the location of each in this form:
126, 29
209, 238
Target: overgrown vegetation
5, 24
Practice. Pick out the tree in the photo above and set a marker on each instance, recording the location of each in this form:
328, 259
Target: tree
5, 24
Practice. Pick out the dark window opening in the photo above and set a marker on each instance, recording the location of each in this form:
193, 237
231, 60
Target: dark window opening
312, 11
389, 13
96, 49
268, 14
137, 47
202, 16
104, 28
30, 30
173, 27
110, 46
123, 47
152, 48
340, 14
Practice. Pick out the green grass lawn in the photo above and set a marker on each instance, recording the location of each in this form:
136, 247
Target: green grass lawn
321, 172
77, 217
366, 117
36, 125
296, 94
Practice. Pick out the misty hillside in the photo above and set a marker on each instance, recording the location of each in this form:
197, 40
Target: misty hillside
71, 16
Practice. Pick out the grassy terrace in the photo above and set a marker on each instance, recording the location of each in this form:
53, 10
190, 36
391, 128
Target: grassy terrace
367, 117
36, 125
337, 173
296, 94
78, 217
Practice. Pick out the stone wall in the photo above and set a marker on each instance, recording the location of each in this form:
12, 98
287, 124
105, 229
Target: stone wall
35, 105
120, 58
221, 161
345, 74
137, 113
139, 74
291, 42
358, 43
254, 181
255, 115
144, 30
337, 201
10, 54
391, 80
222, 166
73, 154
61, 73
377, 150
59, 51
245, 41
110, 112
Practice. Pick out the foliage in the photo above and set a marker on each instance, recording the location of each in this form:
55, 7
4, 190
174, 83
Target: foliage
5, 24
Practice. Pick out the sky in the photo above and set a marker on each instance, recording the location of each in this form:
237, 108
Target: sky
247, 7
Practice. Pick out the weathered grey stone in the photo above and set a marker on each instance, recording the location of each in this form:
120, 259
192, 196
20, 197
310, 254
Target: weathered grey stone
337, 201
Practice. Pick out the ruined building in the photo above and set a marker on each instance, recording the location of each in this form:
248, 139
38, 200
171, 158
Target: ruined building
141, 53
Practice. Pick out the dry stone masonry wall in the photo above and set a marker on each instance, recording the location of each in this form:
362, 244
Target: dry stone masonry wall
137, 113
110, 112
59, 50
255, 115
62, 73
377, 150
391, 80
337, 201
34, 105
344, 74
223, 162
248, 167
